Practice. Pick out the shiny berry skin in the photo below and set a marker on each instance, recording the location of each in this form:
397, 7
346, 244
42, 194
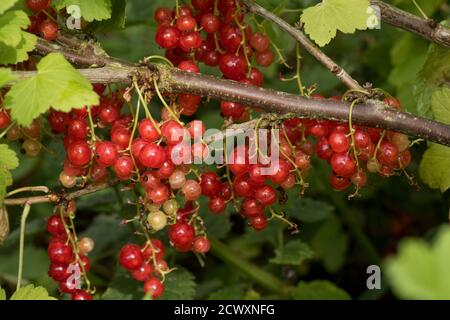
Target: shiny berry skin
58, 272
152, 156
217, 205
343, 165
149, 180
259, 222
202, 5
362, 139
4, 119
55, 225
137, 146
339, 183
130, 257
196, 129
173, 132
121, 137
242, 186
166, 169
59, 252
49, 30
282, 172
38, 5
58, 121
108, 112
123, 168
68, 286
154, 287
238, 160
211, 58
79, 153
230, 38
186, 23
188, 66
81, 295
265, 58
252, 207
210, 22
191, 190
201, 245
167, 37
231, 109
77, 129
256, 77
210, 184
266, 195
255, 175
388, 154
106, 153
181, 235
259, 42
159, 195
232, 66
163, 15
143, 273
190, 40
404, 159
339, 142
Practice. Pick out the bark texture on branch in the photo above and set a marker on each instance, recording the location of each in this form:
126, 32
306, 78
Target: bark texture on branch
428, 29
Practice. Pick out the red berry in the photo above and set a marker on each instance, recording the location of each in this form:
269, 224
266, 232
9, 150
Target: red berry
238, 160
149, 180
79, 153
55, 225
49, 30
231, 109
108, 112
143, 273
58, 272
210, 184
242, 186
4, 119
265, 58
343, 165
230, 38
201, 245
252, 207
77, 129
191, 190
152, 156
58, 121
38, 5
259, 222
154, 287
159, 195
123, 168
106, 153
259, 42
186, 23
130, 257
81, 295
202, 5
339, 142
339, 183
188, 66
233, 66
266, 195
167, 37
59, 252
256, 77
217, 205
181, 235
190, 40
163, 15
282, 172
121, 137
166, 169
388, 154
210, 22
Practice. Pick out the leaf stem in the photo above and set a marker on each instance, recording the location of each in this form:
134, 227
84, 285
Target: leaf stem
23, 220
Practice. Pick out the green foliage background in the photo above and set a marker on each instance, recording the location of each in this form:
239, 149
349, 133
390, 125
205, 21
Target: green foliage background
339, 239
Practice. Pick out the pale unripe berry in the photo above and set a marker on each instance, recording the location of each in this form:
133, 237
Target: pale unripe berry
86, 245
192, 190
401, 141
171, 207
66, 180
177, 179
157, 220
153, 207
31, 147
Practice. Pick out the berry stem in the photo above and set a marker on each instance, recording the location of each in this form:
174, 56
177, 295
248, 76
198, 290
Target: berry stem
23, 221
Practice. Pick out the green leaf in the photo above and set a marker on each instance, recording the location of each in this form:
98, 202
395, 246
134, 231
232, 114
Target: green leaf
117, 21
8, 161
319, 290
123, 287
2, 294
35, 263
218, 225
11, 25
6, 76
31, 292
434, 168
322, 21
330, 244
234, 292
90, 10
57, 85
440, 105
6, 4
14, 55
179, 285
308, 210
293, 253
420, 271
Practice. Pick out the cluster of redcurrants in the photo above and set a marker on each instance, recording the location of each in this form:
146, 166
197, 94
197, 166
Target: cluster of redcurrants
69, 261
146, 265
350, 154
229, 43
43, 21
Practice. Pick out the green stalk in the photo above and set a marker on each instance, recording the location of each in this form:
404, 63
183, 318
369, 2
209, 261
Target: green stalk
260, 276
23, 221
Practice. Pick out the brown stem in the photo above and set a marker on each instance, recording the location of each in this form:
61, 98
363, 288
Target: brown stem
298, 35
428, 29
57, 197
